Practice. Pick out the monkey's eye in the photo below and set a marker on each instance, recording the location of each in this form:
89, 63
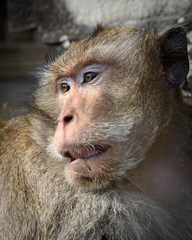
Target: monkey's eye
65, 87
89, 76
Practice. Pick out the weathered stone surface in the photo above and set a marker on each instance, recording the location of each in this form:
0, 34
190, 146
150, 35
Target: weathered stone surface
54, 18
112, 12
189, 36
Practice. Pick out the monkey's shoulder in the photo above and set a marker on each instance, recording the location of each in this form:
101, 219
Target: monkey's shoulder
14, 136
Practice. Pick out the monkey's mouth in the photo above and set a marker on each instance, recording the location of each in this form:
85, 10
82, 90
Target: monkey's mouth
85, 152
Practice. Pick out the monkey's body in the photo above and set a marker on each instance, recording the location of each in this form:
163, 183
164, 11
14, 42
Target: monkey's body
51, 187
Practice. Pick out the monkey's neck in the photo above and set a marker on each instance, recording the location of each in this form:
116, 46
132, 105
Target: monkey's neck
163, 175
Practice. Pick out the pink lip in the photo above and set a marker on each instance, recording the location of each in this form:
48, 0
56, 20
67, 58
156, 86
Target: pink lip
85, 153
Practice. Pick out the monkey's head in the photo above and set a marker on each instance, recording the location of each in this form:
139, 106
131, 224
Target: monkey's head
111, 95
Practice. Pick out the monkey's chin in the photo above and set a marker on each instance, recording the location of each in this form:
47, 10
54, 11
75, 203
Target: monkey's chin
87, 174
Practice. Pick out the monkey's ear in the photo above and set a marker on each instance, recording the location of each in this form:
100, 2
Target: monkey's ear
174, 57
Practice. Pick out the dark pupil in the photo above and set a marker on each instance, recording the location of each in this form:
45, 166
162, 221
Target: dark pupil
65, 87
89, 76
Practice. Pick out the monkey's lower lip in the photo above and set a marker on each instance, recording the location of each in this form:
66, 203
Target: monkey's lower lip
85, 153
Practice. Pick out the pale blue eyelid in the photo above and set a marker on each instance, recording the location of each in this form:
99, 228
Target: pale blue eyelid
66, 80
98, 68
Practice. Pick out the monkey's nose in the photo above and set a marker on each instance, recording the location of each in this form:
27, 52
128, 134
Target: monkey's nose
67, 119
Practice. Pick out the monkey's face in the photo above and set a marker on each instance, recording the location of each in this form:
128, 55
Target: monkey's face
96, 132
103, 130
81, 134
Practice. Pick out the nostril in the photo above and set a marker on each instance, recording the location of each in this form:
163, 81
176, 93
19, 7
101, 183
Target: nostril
67, 119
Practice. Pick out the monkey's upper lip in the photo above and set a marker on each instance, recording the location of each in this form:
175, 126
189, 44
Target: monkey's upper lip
85, 152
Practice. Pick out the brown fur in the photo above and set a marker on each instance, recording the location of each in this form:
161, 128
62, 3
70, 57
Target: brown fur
133, 196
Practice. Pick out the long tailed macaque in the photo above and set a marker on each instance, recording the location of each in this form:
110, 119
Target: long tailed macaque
105, 152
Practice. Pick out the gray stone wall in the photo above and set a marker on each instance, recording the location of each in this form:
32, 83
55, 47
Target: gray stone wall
73, 19
131, 12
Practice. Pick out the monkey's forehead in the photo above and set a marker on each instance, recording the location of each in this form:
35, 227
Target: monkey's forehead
108, 46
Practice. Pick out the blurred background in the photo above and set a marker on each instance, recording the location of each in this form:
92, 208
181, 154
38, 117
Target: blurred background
28, 28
